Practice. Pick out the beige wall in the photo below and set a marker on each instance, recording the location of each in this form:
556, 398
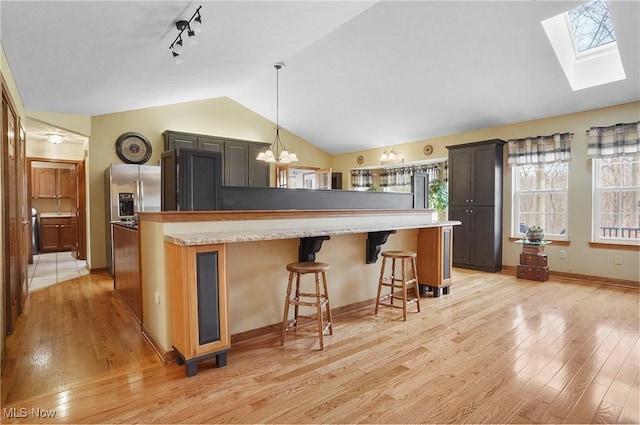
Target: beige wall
62, 151
80, 124
581, 258
218, 117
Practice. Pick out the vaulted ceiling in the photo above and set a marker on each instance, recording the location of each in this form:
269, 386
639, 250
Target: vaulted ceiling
358, 74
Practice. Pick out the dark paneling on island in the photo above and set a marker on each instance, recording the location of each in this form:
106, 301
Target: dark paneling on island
254, 198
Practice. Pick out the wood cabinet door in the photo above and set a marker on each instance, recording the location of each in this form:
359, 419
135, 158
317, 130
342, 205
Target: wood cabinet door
169, 181
200, 180
258, 170
483, 181
235, 164
460, 177
44, 182
482, 239
67, 236
461, 235
210, 144
180, 141
64, 186
49, 236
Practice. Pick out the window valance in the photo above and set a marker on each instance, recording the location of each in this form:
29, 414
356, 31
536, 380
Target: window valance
615, 140
540, 149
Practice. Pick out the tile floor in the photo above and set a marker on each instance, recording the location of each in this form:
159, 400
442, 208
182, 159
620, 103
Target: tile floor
48, 269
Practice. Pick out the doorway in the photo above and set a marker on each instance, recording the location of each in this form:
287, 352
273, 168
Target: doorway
64, 194
303, 177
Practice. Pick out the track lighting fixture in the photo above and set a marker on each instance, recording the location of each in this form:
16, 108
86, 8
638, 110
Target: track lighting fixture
192, 26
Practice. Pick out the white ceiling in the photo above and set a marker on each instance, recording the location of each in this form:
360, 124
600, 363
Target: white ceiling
358, 75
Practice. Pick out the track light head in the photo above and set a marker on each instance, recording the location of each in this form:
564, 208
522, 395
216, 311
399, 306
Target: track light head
196, 25
177, 46
193, 40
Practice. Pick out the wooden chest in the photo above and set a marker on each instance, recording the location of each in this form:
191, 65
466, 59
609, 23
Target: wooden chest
533, 259
540, 274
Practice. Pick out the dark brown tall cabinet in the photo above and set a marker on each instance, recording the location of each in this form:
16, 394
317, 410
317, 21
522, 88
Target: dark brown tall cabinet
191, 180
239, 164
475, 199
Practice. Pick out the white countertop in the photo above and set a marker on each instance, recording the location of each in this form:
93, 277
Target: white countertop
61, 214
327, 229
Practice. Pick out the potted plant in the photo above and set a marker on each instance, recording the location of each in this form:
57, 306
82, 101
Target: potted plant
438, 196
534, 234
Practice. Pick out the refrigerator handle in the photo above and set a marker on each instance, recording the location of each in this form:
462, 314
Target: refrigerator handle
141, 194
136, 206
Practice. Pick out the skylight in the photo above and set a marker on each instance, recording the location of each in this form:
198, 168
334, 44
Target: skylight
584, 42
591, 25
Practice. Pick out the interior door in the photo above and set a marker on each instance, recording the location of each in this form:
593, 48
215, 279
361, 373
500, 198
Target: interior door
25, 217
10, 232
73, 200
81, 216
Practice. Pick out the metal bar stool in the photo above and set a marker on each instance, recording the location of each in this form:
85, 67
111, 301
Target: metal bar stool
319, 300
393, 282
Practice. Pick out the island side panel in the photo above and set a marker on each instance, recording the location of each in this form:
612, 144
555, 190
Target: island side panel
177, 278
435, 256
198, 308
155, 309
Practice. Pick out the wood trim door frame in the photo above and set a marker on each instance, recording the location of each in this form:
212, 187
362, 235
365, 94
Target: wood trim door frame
81, 200
11, 214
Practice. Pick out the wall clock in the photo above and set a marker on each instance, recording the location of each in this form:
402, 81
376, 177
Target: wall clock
133, 148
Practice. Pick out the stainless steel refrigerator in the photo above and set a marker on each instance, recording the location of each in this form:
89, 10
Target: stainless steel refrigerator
129, 188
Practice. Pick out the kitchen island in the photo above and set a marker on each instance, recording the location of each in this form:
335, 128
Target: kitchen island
252, 249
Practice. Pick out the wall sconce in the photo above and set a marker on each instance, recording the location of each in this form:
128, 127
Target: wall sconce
192, 26
390, 158
54, 138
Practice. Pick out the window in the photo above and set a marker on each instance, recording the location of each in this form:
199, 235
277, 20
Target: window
616, 217
591, 25
540, 198
585, 45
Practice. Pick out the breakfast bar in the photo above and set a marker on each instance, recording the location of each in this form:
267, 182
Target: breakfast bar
231, 265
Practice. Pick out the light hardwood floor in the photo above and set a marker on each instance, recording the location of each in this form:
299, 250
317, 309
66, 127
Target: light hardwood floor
496, 350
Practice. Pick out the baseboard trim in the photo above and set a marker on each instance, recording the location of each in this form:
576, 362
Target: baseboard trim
277, 327
584, 278
97, 269
166, 356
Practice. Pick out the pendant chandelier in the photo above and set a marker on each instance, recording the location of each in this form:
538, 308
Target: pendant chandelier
277, 152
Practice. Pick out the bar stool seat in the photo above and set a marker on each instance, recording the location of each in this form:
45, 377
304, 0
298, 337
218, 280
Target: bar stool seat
408, 277
318, 299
